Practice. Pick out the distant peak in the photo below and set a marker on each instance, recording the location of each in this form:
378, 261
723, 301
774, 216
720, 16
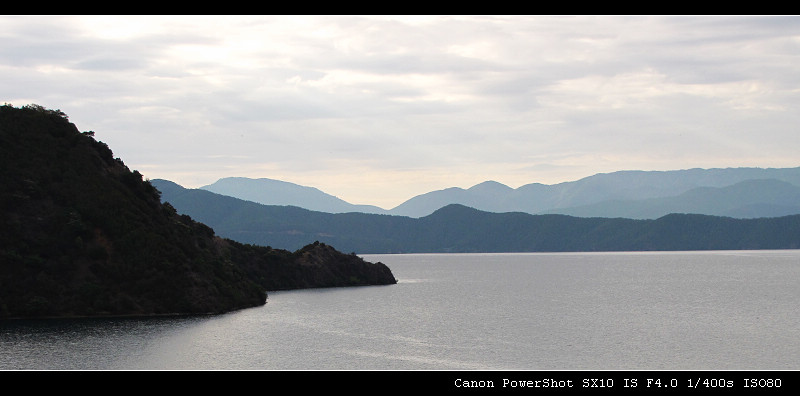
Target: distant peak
454, 209
246, 179
490, 185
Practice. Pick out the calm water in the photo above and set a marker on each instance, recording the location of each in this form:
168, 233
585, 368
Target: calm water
564, 311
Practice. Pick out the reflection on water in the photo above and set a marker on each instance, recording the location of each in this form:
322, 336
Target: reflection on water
81, 344
674, 311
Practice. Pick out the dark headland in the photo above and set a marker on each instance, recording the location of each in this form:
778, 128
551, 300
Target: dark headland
83, 235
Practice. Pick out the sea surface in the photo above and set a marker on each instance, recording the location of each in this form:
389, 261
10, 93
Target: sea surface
720, 310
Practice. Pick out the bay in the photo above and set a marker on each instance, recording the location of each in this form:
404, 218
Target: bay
718, 310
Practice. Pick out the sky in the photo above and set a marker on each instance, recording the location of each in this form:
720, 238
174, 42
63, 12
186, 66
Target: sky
378, 109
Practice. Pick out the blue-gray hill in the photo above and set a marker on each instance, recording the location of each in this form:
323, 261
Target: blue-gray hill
747, 199
275, 192
602, 194
735, 192
458, 228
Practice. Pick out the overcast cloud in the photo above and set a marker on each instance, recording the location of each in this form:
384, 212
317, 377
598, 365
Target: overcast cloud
378, 109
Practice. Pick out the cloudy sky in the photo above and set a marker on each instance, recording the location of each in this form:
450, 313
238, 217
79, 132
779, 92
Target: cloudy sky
378, 109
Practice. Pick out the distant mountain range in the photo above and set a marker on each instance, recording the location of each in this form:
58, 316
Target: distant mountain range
276, 192
733, 192
458, 228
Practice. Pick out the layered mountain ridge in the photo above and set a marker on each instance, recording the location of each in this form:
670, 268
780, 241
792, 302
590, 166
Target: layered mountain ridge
735, 192
457, 228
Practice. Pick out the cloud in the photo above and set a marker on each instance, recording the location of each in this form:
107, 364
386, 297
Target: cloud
409, 103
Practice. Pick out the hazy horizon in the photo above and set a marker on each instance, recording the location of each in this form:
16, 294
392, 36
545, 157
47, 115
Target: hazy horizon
378, 109
443, 188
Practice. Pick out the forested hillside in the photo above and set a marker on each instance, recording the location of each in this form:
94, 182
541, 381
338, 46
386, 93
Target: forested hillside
83, 235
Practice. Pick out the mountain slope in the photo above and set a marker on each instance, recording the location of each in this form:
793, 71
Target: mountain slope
457, 228
82, 235
747, 199
602, 195
287, 227
629, 186
276, 192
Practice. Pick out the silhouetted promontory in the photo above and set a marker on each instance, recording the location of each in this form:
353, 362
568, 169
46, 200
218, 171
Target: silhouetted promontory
83, 235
